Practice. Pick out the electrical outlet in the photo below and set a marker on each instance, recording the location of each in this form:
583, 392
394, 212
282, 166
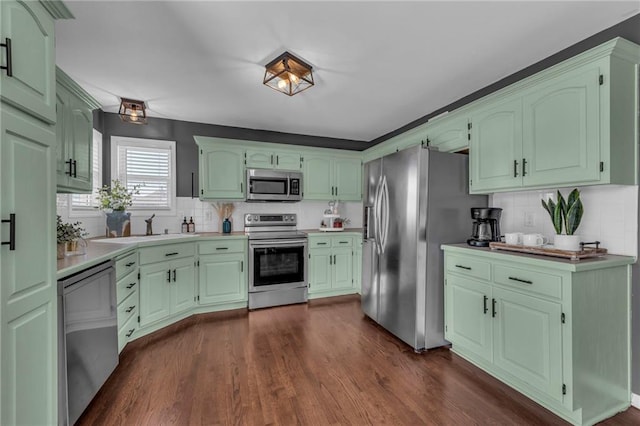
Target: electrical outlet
208, 216
529, 219
549, 196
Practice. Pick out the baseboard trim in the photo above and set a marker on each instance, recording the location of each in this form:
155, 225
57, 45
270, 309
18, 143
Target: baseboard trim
635, 400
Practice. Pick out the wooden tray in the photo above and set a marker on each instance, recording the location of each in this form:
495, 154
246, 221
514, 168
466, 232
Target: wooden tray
586, 253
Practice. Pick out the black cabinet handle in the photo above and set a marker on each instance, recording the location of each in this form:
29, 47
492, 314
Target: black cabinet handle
70, 163
222, 248
493, 308
463, 267
75, 168
9, 66
169, 276
242, 266
334, 260
524, 167
241, 190
321, 244
12, 231
271, 159
484, 304
130, 264
171, 254
130, 332
520, 280
131, 308
132, 285
515, 168
174, 275
277, 160
192, 185
330, 260
343, 242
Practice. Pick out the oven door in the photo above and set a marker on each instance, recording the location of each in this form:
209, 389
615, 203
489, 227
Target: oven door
277, 264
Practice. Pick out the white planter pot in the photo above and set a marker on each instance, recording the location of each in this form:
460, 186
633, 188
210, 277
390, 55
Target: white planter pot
567, 242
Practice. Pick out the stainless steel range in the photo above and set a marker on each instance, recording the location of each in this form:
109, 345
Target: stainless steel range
277, 260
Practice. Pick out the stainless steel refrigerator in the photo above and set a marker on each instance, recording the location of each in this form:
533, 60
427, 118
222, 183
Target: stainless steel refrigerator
414, 201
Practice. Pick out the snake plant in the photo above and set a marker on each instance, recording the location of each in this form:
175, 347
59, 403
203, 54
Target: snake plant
568, 213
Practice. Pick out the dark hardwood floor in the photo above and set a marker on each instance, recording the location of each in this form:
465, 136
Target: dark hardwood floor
317, 364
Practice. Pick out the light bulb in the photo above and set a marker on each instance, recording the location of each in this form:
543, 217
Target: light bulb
134, 114
294, 78
282, 84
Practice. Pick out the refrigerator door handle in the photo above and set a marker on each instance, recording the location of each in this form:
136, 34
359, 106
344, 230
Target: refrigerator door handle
384, 225
376, 215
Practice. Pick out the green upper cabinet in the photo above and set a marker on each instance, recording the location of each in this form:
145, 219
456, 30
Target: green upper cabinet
496, 141
270, 159
332, 178
74, 131
221, 173
449, 133
32, 85
567, 125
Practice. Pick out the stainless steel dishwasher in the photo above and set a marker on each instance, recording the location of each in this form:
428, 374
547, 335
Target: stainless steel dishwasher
87, 337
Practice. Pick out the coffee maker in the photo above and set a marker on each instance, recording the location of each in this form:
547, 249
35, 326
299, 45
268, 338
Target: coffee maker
486, 226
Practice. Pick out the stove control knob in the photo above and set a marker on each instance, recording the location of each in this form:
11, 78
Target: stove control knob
256, 218
249, 218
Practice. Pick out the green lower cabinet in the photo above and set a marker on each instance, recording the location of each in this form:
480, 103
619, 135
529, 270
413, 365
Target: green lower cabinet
559, 332
166, 288
320, 270
331, 264
222, 278
342, 268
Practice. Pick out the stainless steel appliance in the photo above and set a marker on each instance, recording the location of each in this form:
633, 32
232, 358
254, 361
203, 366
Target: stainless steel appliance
486, 226
273, 185
414, 201
87, 338
277, 260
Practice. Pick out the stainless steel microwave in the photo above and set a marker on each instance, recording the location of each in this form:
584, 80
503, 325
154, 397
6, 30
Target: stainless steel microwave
273, 185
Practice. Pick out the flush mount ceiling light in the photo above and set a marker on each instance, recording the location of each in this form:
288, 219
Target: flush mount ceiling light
132, 111
288, 74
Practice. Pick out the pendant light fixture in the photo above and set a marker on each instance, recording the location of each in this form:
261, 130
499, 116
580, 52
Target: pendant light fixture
133, 111
288, 74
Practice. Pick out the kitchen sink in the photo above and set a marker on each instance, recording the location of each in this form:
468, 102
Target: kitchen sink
142, 238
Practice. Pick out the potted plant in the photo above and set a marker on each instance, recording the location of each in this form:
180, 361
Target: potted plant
113, 201
68, 235
568, 214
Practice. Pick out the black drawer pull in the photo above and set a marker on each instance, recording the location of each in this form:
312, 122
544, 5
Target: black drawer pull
520, 280
131, 308
130, 332
343, 242
130, 264
131, 285
8, 67
463, 267
493, 308
12, 231
222, 248
484, 304
172, 254
321, 244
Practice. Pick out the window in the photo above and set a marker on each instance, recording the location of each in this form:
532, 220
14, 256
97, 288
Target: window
83, 202
149, 164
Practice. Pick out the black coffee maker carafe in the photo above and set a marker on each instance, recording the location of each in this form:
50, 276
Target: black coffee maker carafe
486, 226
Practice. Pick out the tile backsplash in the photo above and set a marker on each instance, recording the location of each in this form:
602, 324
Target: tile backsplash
206, 218
610, 215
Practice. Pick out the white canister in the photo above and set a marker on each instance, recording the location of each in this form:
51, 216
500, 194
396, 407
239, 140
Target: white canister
513, 238
567, 242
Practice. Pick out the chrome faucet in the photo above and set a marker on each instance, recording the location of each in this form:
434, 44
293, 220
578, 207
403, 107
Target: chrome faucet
149, 223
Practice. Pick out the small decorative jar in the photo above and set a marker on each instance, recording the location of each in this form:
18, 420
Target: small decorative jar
226, 226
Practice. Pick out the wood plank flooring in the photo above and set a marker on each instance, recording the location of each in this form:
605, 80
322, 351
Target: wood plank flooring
318, 364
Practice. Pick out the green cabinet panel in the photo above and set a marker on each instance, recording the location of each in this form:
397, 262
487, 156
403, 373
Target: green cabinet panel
32, 86
357, 262
318, 178
342, 268
527, 338
270, 159
496, 147
331, 264
320, 270
259, 158
221, 173
348, 179
288, 160
561, 129
222, 278
449, 133
468, 316
28, 332
183, 284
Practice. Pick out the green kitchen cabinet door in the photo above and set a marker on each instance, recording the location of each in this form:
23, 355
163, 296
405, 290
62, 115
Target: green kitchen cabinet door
449, 133
27, 271
468, 315
155, 292
222, 173
348, 179
561, 129
183, 284
260, 158
287, 160
222, 278
320, 270
495, 152
318, 178
357, 263
342, 268
63, 122
80, 140
32, 88
528, 340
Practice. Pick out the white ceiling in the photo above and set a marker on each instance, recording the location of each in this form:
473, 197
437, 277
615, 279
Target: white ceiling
377, 65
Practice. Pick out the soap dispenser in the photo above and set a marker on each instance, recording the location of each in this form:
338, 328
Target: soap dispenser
185, 226
191, 227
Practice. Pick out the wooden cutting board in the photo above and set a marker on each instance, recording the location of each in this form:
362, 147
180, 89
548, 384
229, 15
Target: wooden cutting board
586, 253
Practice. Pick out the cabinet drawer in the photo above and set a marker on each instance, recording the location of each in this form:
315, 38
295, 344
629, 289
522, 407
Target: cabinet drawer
126, 331
319, 242
339, 241
469, 266
126, 286
222, 246
126, 264
166, 252
127, 309
531, 281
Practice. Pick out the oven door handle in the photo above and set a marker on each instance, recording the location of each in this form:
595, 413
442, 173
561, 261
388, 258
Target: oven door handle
279, 243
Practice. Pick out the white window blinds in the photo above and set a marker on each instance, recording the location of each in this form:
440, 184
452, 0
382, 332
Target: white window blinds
149, 164
90, 201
